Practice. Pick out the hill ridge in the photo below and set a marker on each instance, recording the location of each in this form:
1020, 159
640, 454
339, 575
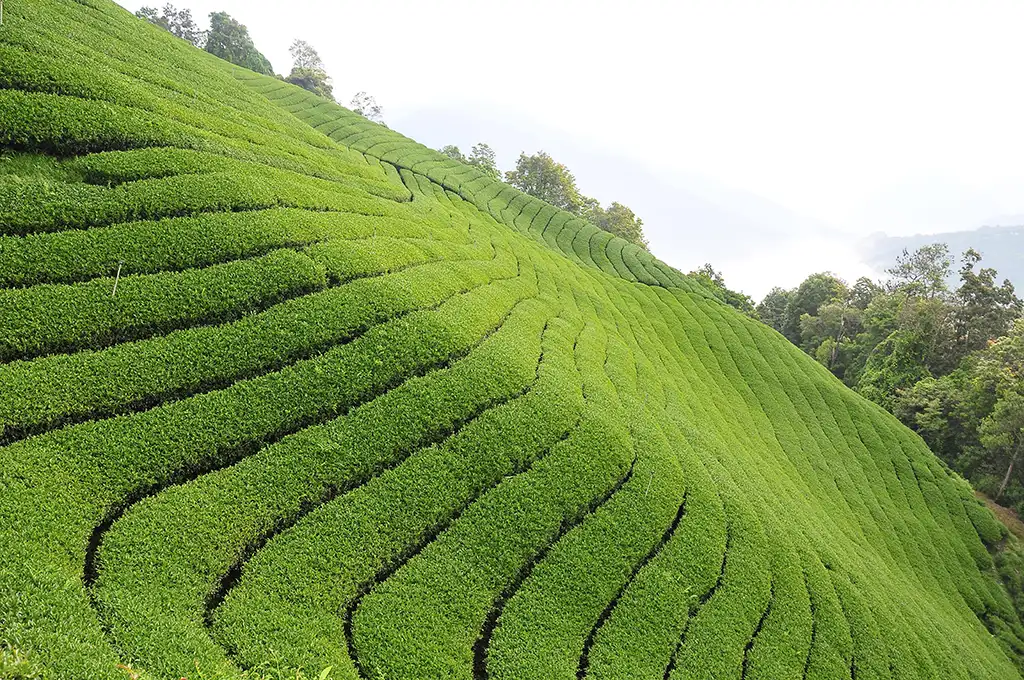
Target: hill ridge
466, 181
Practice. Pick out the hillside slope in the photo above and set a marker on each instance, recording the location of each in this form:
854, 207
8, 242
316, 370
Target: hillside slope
281, 388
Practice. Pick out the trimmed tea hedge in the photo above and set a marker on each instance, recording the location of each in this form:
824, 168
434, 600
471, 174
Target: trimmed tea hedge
56, 318
70, 387
356, 405
144, 602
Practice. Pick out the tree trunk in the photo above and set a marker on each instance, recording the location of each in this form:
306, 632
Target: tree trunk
839, 337
1009, 471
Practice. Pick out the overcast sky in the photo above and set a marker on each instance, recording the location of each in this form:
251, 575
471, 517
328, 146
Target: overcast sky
893, 115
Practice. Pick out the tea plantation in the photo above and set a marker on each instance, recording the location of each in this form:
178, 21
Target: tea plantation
282, 389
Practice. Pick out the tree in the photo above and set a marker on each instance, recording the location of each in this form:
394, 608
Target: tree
829, 335
772, 309
483, 158
950, 365
934, 409
815, 291
821, 316
305, 57
922, 273
714, 280
973, 417
454, 153
178, 22
863, 292
982, 309
1002, 434
897, 363
541, 176
365, 105
230, 41
998, 385
308, 70
151, 15
618, 220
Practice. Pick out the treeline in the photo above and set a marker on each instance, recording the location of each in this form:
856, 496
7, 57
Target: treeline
226, 38
230, 40
543, 177
948, 362
538, 175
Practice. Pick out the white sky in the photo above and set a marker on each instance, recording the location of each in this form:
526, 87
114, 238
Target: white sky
890, 115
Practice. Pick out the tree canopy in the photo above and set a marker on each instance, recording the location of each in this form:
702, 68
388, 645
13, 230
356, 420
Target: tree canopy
230, 41
481, 156
948, 363
922, 272
453, 152
545, 178
714, 279
618, 220
366, 105
542, 176
308, 70
178, 22
226, 37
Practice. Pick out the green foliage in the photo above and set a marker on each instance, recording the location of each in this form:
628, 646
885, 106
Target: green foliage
1002, 432
365, 105
897, 363
279, 492
308, 70
32, 166
924, 353
358, 409
230, 41
972, 417
39, 206
178, 22
772, 308
316, 81
71, 387
50, 318
714, 279
642, 632
1010, 564
982, 309
541, 176
171, 244
14, 666
618, 220
482, 157
815, 291
453, 152
922, 273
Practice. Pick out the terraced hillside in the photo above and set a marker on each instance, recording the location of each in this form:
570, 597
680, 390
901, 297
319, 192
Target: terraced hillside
281, 386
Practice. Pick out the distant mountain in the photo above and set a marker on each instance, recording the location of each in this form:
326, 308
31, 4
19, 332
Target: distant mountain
1001, 247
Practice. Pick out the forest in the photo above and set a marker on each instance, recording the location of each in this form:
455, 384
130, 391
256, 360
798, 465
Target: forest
946, 360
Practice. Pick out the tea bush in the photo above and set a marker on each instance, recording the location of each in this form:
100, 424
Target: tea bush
356, 406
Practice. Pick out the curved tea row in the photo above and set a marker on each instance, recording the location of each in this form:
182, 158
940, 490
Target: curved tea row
281, 389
